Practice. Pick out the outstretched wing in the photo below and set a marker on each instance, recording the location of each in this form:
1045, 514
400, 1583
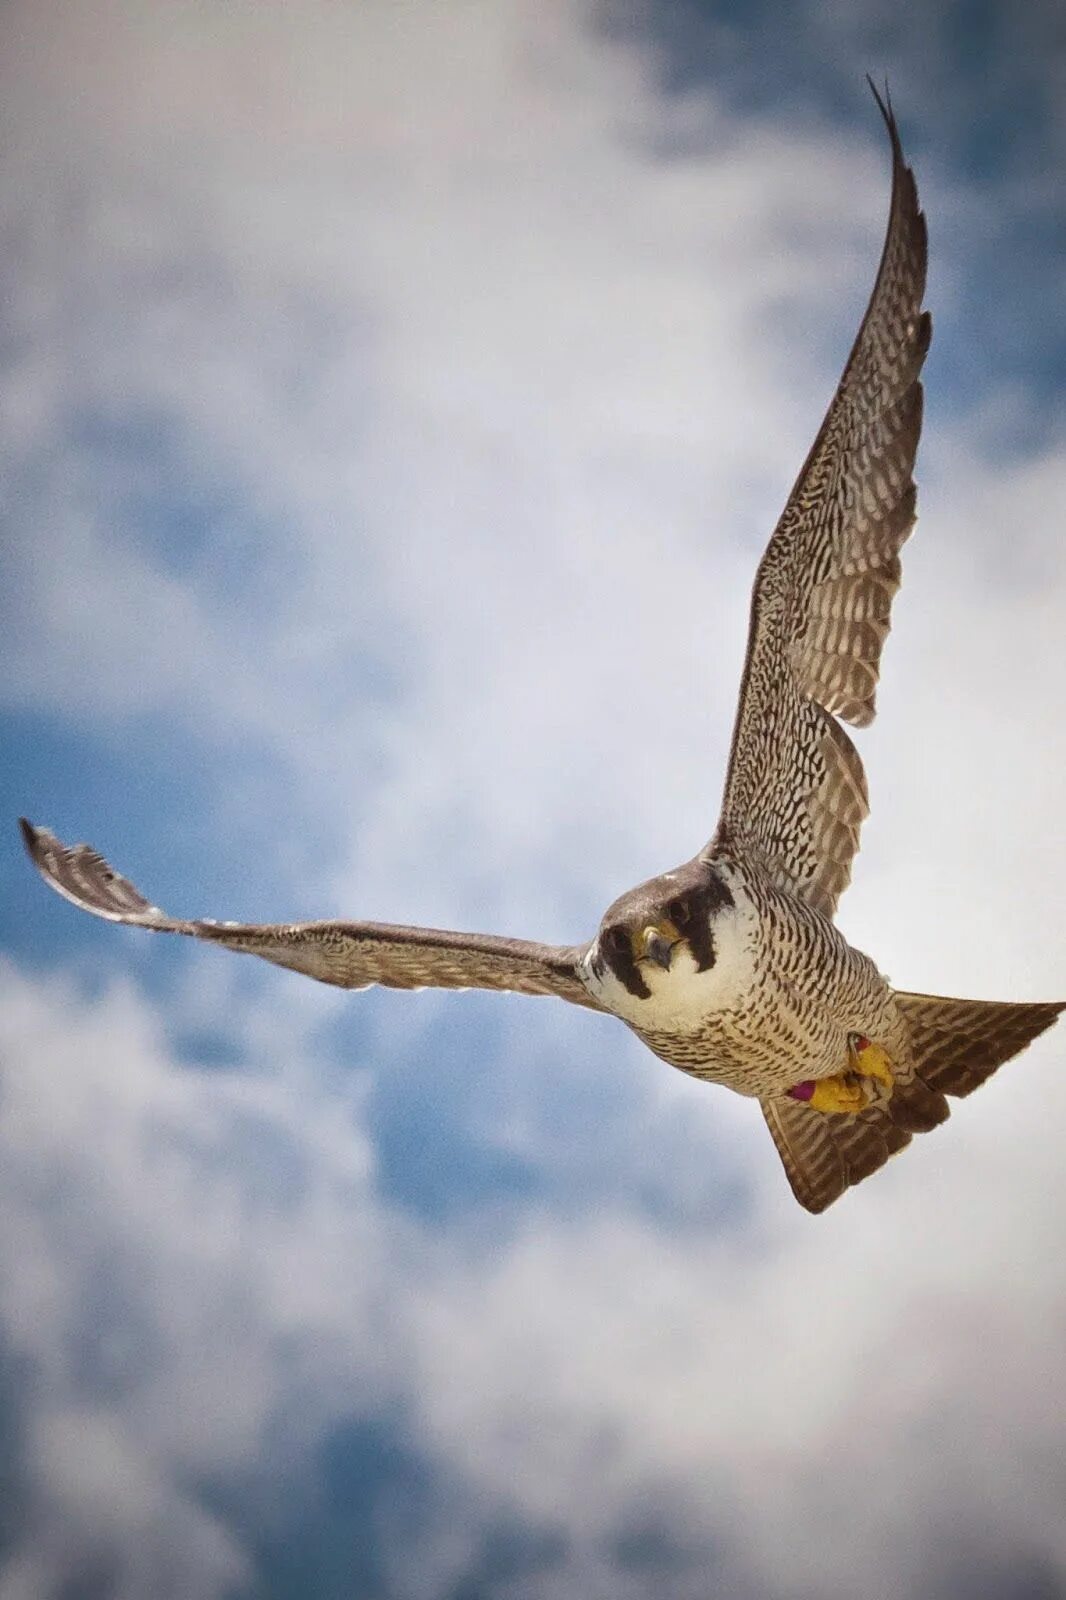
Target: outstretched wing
795, 795
352, 955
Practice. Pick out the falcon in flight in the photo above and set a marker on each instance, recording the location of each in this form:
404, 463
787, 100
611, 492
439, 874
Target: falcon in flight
729, 966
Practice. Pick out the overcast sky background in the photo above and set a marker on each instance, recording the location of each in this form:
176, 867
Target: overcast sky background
396, 399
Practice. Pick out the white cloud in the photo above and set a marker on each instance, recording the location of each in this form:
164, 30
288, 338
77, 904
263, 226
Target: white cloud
197, 1263
499, 386
184, 1254
506, 399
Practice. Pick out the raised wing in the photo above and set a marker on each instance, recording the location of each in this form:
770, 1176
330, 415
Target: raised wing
352, 955
795, 795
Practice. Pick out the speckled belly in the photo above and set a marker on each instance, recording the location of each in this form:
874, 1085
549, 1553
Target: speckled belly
811, 990
753, 1061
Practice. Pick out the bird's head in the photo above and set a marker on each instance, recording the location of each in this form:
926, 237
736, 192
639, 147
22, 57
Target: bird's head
643, 931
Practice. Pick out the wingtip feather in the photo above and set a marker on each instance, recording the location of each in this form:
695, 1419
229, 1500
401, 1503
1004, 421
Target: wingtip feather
884, 105
81, 875
30, 835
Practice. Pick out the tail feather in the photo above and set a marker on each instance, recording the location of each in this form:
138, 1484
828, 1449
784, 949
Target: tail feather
915, 1106
955, 1044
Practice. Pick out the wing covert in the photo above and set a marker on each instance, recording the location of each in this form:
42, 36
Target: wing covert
795, 794
351, 955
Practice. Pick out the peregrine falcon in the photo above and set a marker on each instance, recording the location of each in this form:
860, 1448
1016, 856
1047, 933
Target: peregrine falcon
729, 966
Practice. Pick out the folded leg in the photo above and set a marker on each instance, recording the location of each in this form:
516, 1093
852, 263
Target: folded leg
855, 1088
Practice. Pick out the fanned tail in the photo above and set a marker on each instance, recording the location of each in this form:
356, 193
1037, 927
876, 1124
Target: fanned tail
955, 1044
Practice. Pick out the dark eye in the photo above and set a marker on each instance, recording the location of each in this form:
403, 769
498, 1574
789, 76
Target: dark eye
615, 938
680, 913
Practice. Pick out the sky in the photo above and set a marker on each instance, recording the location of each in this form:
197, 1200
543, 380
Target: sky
396, 399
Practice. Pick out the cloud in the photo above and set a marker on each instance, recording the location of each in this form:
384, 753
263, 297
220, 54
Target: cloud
158, 1286
437, 391
201, 1276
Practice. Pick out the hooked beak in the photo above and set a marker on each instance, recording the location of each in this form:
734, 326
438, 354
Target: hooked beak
658, 948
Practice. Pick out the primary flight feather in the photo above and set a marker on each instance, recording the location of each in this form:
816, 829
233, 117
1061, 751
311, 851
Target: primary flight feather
729, 966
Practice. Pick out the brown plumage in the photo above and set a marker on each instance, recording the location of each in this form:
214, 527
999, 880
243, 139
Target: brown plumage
956, 1045
824, 589
351, 955
729, 967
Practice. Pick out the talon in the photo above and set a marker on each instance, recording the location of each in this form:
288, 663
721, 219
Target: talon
853, 1090
841, 1093
870, 1061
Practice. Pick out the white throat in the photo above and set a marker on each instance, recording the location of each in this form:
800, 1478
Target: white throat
682, 996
